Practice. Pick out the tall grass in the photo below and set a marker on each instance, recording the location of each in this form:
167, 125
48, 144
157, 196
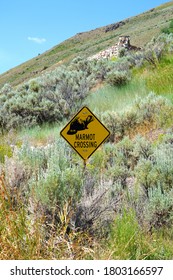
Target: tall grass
129, 241
24, 237
41, 135
116, 98
158, 79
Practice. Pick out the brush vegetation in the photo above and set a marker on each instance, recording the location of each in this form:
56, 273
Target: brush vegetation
120, 206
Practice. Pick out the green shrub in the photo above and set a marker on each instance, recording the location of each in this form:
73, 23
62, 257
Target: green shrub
168, 30
159, 209
48, 98
149, 109
152, 54
6, 89
163, 159
124, 157
112, 120
142, 148
125, 237
117, 78
34, 86
99, 201
157, 169
5, 150
122, 52
54, 180
101, 68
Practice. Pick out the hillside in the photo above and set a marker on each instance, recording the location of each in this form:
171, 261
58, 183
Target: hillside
141, 28
118, 204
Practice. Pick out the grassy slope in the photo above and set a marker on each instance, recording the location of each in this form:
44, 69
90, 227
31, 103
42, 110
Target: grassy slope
141, 28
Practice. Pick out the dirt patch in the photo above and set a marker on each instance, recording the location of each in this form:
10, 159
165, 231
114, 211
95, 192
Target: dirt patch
97, 87
148, 130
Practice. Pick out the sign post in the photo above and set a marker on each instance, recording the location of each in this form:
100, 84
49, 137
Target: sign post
85, 133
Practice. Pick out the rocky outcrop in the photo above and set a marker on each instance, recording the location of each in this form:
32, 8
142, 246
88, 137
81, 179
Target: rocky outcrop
114, 26
113, 51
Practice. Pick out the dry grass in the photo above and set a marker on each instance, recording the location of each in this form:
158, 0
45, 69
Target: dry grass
26, 234
145, 129
23, 236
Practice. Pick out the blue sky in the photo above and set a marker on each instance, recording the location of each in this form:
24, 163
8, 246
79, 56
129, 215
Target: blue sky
29, 27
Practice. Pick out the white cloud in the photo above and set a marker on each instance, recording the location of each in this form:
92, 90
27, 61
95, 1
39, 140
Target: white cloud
37, 40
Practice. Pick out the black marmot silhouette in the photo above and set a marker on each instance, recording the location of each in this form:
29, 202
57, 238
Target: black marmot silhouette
79, 124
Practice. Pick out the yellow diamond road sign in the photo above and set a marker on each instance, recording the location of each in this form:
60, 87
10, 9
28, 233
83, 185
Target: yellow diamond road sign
85, 133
